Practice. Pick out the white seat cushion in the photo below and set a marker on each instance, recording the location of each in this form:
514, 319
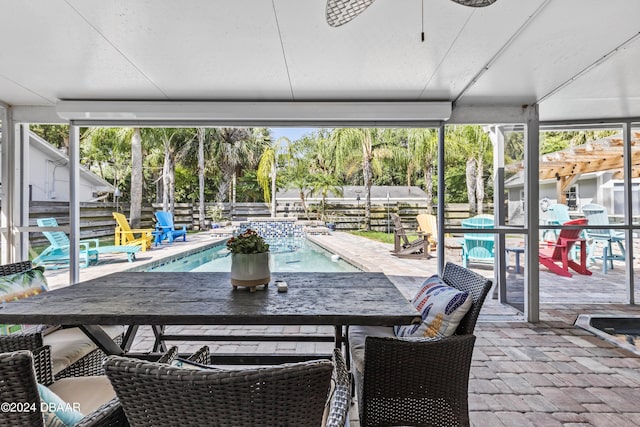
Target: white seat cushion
357, 336
89, 392
71, 344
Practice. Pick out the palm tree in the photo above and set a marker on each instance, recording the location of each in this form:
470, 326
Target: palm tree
324, 184
366, 146
267, 169
423, 148
474, 146
173, 141
297, 168
235, 149
107, 146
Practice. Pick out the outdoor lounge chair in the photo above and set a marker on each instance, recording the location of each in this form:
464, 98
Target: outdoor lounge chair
478, 247
57, 254
428, 224
18, 385
125, 236
402, 247
560, 252
167, 229
292, 394
557, 214
413, 381
597, 215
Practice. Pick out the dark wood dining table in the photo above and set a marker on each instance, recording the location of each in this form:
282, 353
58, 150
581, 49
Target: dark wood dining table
202, 298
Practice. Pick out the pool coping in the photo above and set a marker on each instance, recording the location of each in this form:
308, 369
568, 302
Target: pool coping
175, 257
583, 321
333, 251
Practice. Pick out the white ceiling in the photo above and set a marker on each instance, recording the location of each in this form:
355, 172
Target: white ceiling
578, 58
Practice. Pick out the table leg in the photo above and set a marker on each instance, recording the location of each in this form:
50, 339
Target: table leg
102, 339
129, 336
338, 335
159, 344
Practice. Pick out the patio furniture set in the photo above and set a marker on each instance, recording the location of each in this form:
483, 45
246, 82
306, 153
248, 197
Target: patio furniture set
294, 393
590, 238
127, 241
573, 247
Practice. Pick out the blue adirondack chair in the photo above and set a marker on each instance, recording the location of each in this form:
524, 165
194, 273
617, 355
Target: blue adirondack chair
556, 214
597, 215
167, 229
57, 254
478, 247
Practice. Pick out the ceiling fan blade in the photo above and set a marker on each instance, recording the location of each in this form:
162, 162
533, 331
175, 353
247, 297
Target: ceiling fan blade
475, 3
339, 12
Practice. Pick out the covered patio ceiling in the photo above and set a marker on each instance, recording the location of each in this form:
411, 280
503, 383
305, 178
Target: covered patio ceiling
577, 59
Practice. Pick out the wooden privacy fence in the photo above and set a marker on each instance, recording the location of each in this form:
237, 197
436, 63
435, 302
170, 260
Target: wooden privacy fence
96, 218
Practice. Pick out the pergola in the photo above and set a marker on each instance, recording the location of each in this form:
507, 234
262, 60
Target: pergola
568, 165
278, 62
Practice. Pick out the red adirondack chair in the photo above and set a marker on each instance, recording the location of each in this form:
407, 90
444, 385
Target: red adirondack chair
556, 257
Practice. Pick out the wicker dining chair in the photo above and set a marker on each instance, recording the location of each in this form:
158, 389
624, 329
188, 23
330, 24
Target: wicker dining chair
291, 394
418, 381
33, 339
201, 356
18, 385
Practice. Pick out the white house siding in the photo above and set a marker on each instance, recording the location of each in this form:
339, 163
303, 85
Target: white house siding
592, 188
49, 179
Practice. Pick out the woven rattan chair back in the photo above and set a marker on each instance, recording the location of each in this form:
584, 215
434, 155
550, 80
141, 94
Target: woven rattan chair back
478, 287
18, 384
416, 383
156, 394
419, 382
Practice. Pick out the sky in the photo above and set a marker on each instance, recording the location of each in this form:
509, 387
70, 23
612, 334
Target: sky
291, 133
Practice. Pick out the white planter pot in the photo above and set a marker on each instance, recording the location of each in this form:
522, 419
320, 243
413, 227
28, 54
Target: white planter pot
250, 270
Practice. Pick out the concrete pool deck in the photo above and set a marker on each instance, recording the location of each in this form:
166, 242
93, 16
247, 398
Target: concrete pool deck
549, 373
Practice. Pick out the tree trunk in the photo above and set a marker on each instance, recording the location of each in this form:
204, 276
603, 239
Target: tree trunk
172, 187
428, 186
201, 213
135, 208
368, 179
234, 181
471, 184
480, 185
166, 165
304, 205
273, 189
223, 189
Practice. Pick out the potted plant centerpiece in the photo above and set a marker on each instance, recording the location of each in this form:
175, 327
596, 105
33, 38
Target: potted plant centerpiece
249, 260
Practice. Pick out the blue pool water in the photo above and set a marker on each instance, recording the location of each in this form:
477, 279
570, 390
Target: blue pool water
286, 255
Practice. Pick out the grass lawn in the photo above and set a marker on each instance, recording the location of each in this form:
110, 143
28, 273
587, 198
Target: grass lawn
375, 235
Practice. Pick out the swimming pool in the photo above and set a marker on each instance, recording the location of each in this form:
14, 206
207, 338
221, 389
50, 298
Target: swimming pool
287, 255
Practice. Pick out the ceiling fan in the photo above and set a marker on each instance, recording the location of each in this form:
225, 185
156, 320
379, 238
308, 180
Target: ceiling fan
339, 12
